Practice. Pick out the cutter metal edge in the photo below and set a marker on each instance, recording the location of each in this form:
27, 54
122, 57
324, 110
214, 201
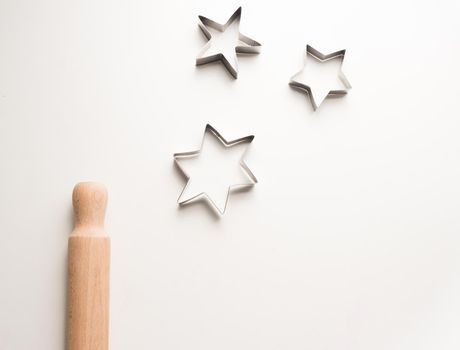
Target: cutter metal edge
191, 154
322, 58
250, 46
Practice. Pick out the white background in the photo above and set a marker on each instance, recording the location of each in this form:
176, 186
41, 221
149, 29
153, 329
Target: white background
350, 240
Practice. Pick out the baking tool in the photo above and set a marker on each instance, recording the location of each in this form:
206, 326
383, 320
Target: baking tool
317, 97
185, 155
211, 52
88, 271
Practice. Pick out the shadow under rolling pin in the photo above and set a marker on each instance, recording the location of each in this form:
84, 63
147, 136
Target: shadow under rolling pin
88, 271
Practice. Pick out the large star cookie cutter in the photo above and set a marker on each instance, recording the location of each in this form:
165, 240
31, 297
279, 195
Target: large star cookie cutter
242, 44
317, 98
239, 186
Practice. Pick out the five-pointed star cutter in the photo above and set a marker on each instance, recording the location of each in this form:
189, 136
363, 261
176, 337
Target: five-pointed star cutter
243, 44
187, 155
315, 54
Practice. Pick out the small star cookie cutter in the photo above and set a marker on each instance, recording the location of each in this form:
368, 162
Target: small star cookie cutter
315, 54
245, 44
241, 186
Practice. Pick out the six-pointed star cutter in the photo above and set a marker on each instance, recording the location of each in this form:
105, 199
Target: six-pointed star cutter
192, 154
245, 45
322, 58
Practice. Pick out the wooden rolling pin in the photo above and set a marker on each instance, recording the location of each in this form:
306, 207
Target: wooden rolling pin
88, 271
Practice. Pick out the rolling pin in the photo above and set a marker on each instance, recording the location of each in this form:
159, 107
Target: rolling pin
88, 271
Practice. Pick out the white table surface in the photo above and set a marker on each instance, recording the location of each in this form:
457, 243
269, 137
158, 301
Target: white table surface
349, 242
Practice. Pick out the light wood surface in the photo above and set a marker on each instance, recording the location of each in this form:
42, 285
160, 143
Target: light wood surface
88, 271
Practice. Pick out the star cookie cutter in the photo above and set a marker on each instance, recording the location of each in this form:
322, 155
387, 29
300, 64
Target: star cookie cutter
315, 54
245, 44
187, 155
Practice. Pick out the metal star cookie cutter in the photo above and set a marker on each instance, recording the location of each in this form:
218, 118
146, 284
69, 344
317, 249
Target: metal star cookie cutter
186, 155
245, 45
315, 54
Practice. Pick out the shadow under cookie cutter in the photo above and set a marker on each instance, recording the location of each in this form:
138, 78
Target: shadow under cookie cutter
186, 155
246, 45
321, 58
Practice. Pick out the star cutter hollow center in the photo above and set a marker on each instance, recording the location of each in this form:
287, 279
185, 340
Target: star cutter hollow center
228, 56
193, 154
317, 97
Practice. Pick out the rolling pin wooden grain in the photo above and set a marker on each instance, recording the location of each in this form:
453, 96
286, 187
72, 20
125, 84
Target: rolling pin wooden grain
88, 271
